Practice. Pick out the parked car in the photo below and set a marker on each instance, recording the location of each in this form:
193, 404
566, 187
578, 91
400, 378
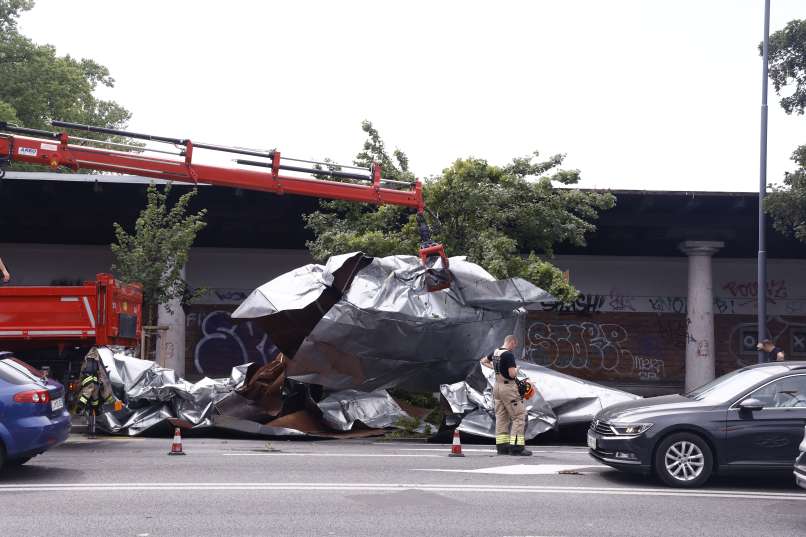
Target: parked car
33, 416
800, 464
750, 419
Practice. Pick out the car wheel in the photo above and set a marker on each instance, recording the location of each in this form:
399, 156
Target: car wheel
684, 460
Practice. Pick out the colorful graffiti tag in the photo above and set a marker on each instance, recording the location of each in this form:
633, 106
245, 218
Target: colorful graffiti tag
225, 343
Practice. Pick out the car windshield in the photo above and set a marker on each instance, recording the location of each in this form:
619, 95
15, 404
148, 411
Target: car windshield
728, 386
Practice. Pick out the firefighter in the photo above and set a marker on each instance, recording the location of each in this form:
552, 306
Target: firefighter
510, 409
95, 391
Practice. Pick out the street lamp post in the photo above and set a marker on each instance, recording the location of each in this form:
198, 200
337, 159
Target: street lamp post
762, 190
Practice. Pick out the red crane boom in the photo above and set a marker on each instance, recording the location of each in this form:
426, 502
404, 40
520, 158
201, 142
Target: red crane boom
58, 149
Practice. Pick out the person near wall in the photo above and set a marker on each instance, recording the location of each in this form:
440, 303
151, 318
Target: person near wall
510, 409
773, 352
4, 272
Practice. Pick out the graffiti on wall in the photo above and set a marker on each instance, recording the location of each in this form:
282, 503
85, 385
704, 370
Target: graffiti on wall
776, 290
604, 350
649, 368
224, 343
668, 304
578, 345
584, 305
737, 297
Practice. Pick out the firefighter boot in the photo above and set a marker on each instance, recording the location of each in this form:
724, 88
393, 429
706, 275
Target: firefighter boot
502, 449
519, 451
91, 425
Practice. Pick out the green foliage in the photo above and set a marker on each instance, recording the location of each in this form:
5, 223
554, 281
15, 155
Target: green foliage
10, 11
500, 217
37, 85
418, 399
155, 253
786, 204
787, 60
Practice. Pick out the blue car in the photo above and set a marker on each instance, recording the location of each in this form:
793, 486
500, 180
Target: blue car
33, 416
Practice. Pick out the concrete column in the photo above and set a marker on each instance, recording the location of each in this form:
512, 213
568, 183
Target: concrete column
700, 355
171, 343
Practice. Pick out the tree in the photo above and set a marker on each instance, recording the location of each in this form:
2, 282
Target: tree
155, 253
500, 217
786, 204
37, 85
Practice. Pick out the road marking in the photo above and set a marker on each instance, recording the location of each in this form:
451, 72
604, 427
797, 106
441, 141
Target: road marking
73, 488
523, 469
392, 444
447, 448
363, 455
72, 440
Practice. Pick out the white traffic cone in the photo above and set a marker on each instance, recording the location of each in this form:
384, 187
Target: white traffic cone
176, 446
456, 448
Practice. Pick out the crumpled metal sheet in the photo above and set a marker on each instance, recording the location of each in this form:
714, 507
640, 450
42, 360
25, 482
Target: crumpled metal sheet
368, 323
377, 410
573, 400
154, 394
559, 400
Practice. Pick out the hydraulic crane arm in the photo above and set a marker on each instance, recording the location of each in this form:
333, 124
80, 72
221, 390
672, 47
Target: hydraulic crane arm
58, 149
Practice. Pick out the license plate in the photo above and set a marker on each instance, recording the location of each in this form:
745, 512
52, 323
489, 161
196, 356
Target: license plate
57, 404
591, 441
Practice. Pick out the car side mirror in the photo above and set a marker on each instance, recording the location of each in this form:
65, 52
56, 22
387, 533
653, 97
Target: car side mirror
751, 404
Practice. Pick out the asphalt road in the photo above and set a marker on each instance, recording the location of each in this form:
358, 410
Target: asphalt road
131, 487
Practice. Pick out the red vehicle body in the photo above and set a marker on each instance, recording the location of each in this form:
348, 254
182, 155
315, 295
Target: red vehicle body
55, 325
100, 312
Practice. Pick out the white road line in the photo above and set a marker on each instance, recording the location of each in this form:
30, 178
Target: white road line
447, 449
391, 487
393, 444
363, 455
522, 469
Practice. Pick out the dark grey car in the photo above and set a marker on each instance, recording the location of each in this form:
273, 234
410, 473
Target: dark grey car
750, 419
800, 464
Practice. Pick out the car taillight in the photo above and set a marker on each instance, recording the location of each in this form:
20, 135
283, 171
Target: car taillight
32, 396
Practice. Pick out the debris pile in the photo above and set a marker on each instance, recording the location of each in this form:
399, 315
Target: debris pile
348, 331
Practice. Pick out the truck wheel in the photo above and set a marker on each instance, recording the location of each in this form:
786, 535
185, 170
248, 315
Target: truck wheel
684, 460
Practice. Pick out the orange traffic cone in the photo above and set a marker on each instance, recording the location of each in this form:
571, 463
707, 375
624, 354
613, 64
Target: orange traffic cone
456, 448
176, 446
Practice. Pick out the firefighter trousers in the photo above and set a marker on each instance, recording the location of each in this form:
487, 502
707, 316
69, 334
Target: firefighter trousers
93, 393
510, 413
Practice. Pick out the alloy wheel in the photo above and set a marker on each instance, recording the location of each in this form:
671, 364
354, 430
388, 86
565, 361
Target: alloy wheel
684, 461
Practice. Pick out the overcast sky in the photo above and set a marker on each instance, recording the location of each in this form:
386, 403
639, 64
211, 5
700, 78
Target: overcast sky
640, 94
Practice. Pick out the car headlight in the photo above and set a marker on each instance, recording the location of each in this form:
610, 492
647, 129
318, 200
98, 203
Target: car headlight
630, 429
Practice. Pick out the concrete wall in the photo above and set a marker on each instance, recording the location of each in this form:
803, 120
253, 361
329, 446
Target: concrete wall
659, 285
630, 327
229, 271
